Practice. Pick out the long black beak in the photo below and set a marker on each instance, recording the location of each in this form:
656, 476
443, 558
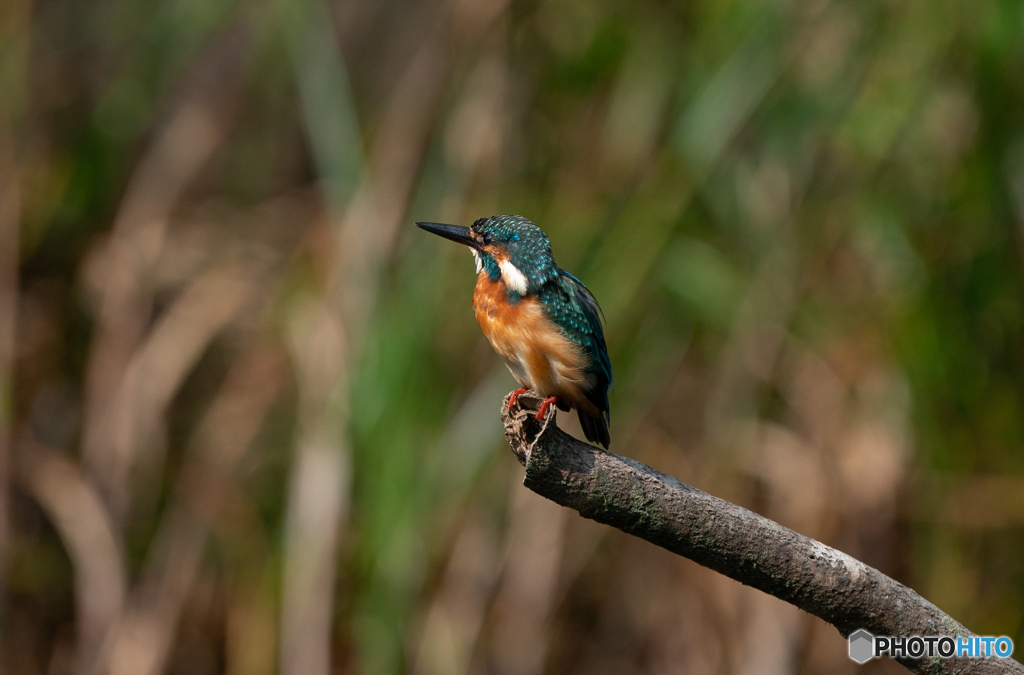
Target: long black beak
453, 232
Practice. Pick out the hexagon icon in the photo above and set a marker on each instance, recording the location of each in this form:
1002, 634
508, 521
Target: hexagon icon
862, 645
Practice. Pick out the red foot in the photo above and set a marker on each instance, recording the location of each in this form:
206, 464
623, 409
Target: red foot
515, 395
544, 405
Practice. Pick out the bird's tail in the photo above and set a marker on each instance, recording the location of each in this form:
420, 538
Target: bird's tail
595, 428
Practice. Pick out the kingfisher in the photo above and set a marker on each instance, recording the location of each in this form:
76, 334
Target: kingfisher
540, 319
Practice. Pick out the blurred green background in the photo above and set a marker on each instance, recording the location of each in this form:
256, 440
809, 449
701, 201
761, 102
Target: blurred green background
249, 424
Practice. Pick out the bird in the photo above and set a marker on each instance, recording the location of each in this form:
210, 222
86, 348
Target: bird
541, 320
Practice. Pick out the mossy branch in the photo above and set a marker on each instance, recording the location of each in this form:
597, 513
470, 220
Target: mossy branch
729, 539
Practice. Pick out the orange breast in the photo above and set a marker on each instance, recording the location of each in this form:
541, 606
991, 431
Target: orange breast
538, 354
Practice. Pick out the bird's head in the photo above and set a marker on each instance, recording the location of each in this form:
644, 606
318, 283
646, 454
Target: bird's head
510, 248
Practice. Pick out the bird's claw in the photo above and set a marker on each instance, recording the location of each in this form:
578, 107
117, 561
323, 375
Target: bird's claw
544, 405
515, 396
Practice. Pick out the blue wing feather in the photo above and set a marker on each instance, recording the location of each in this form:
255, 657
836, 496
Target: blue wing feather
577, 313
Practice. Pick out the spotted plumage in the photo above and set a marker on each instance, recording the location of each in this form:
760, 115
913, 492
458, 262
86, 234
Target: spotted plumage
540, 319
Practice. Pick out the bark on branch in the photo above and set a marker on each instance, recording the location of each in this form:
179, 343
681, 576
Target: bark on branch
729, 539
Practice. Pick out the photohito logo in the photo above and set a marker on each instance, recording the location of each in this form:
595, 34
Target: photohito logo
864, 646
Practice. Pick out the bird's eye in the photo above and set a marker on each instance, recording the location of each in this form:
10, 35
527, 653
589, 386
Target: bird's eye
487, 238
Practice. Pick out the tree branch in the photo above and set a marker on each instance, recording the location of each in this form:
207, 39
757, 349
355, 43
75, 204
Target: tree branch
729, 539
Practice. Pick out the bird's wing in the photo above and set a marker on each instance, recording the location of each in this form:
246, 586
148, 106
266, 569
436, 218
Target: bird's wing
577, 313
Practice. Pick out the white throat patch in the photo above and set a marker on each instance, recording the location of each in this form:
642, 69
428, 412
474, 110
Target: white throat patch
513, 278
476, 259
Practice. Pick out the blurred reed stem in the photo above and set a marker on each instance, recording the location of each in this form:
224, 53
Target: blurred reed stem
15, 42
